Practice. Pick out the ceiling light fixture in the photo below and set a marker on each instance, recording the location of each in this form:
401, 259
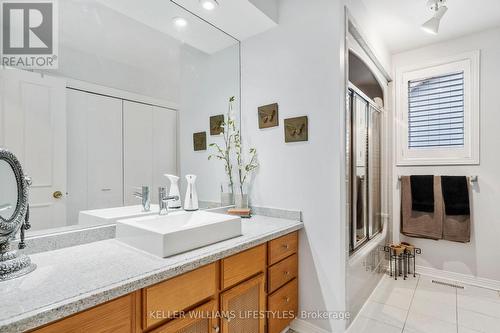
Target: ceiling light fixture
180, 22
209, 4
439, 8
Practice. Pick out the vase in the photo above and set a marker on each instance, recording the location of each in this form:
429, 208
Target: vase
226, 195
241, 198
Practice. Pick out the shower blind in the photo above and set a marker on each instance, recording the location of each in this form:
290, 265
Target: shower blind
436, 112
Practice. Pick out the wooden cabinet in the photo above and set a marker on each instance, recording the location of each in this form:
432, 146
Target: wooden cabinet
230, 296
202, 319
241, 266
164, 300
280, 248
117, 316
243, 307
282, 273
283, 307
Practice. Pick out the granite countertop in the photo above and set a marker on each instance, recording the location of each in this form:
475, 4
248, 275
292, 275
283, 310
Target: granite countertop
73, 279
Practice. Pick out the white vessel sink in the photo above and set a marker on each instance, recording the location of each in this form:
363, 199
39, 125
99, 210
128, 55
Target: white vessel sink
111, 215
177, 232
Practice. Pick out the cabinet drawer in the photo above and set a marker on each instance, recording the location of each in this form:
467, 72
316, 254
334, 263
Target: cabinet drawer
282, 247
203, 319
243, 265
282, 272
115, 316
163, 300
283, 307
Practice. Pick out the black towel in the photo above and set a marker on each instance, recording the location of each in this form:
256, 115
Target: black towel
455, 195
422, 193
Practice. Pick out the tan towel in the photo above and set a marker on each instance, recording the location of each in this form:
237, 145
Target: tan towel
421, 224
456, 228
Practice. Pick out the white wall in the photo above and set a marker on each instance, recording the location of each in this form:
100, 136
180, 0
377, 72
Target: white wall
100, 45
477, 258
298, 65
207, 82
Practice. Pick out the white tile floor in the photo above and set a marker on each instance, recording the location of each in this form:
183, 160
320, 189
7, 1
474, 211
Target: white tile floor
419, 306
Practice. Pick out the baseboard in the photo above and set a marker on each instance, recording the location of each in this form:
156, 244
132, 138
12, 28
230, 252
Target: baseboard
464, 278
302, 326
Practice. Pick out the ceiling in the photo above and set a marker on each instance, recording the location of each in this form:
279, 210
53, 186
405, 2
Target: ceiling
158, 15
240, 18
399, 21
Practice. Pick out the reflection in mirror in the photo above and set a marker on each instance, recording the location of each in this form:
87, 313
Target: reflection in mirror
132, 86
8, 191
360, 166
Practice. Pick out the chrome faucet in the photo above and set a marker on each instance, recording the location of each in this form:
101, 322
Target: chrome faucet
164, 199
145, 196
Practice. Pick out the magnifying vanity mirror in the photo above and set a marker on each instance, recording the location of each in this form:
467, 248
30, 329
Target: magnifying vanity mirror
8, 191
133, 86
13, 216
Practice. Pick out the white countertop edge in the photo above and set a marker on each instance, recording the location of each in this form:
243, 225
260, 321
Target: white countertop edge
59, 310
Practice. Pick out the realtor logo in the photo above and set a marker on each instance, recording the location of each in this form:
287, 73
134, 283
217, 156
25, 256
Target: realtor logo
29, 38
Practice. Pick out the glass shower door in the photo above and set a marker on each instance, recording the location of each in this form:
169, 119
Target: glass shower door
359, 180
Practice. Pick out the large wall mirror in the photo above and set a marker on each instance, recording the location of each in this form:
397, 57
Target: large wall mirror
134, 83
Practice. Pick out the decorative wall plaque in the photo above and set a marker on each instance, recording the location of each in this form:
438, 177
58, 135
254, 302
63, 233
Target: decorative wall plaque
268, 115
296, 129
200, 141
216, 124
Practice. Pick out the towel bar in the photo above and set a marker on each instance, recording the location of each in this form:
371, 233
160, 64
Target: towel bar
472, 179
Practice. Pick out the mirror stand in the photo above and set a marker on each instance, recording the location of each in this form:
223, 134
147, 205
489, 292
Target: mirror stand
12, 263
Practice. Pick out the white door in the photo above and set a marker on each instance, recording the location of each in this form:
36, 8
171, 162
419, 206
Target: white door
34, 128
137, 149
95, 171
164, 145
150, 148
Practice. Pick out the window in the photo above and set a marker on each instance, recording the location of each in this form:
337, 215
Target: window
439, 113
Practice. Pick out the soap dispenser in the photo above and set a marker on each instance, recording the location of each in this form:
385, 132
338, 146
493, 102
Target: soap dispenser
174, 191
191, 199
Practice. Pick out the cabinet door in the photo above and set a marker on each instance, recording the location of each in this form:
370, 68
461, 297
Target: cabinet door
243, 307
202, 319
137, 149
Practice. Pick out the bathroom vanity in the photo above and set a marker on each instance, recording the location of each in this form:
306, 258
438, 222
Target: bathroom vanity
108, 286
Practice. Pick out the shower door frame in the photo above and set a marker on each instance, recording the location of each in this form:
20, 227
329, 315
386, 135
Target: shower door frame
351, 156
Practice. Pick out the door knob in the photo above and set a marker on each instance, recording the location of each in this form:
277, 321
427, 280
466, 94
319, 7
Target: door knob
57, 194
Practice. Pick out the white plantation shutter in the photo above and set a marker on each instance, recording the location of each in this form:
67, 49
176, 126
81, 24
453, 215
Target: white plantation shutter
436, 112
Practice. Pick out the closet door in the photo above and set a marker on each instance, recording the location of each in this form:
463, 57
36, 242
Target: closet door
95, 171
137, 149
104, 162
164, 145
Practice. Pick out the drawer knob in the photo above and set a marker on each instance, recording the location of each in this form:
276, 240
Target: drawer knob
216, 329
286, 273
286, 299
286, 246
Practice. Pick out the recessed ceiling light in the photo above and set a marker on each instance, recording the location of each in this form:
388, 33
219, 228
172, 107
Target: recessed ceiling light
180, 22
209, 4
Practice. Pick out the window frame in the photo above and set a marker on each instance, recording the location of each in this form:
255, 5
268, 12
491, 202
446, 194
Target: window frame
469, 64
